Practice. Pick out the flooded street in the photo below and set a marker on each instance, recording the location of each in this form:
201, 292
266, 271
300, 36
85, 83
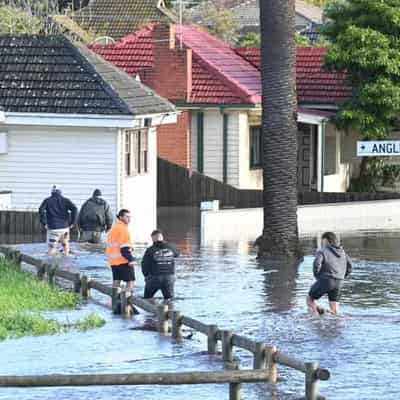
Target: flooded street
222, 283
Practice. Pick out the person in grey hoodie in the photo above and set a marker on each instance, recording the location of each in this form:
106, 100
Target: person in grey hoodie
331, 266
94, 218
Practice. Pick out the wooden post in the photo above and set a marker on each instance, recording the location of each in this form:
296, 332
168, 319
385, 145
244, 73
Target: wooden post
234, 391
227, 348
84, 287
271, 364
259, 361
51, 273
16, 258
41, 271
162, 317
176, 325
212, 342
311, 381
116, 301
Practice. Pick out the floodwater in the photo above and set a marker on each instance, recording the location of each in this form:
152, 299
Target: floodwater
222, 283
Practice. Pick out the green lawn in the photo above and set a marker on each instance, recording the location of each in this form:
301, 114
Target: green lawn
22, 297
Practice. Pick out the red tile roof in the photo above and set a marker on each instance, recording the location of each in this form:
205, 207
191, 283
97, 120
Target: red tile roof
219, 76
133, 53
222, 75
314, 84
223, 62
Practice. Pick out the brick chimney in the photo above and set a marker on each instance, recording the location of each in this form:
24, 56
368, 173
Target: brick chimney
172, 73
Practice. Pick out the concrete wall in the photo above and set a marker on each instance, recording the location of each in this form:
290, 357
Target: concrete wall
356, 216
76, 159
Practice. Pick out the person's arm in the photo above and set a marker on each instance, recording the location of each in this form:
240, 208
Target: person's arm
317, 265
349, 266
74, 211
146, 263
109, 217
126, 252
42, 213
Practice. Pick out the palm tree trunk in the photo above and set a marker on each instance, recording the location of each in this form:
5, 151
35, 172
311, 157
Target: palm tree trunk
279, 122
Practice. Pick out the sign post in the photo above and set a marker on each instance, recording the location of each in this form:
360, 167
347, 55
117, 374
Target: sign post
378, 148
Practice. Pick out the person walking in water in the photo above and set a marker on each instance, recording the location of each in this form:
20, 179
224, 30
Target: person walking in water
58, 215
95, 217
119, 251
331, 266
158, 267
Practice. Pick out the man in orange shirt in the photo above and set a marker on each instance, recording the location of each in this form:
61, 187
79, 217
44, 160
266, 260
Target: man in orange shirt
119, 251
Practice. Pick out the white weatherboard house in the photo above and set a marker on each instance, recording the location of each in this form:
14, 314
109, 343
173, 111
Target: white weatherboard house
69, 118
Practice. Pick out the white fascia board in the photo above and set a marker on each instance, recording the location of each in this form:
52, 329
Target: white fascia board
2, 117
161, 119
75, 120
316, 106
310, 118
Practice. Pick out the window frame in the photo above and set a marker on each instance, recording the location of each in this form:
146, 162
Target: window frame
136, 149
253, 164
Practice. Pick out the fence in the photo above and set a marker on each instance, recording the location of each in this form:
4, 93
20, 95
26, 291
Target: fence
266, 358
178, 187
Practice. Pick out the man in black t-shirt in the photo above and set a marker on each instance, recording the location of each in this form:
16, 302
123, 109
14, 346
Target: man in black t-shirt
158, 267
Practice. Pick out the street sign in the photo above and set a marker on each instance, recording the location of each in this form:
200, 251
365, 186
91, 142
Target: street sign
378, 148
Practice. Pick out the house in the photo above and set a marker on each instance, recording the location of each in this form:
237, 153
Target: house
246, 14
217, 88
118, 18
72, 119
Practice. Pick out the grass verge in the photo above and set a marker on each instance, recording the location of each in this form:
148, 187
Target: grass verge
23, 297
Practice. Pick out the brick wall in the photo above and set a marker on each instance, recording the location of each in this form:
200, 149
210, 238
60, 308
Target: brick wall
174, 141
172, 72
171, 78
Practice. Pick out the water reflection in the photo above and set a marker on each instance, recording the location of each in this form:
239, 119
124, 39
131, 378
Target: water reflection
280, 284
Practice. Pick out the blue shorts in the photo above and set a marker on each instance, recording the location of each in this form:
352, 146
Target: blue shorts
325, 285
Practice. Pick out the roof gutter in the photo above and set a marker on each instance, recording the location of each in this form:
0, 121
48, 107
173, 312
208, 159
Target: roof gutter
73, 120
196, 106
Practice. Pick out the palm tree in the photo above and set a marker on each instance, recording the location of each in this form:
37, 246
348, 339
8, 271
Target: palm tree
278, 58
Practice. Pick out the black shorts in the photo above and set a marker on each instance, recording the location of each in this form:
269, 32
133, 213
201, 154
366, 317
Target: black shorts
123, 272
329, 286
165, 283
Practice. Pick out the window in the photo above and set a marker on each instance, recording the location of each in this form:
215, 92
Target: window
200, 142
136, 148
330, 154
255, 147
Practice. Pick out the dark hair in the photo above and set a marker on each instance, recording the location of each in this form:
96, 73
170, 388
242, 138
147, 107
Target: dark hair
330, 237
156, 232
122, 212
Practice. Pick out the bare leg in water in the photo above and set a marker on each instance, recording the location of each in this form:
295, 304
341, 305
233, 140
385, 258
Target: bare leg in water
334, 307
312, 306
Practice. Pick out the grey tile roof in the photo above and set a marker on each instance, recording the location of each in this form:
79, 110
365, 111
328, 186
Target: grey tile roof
118, 18
49, 75
247, 12
140, 99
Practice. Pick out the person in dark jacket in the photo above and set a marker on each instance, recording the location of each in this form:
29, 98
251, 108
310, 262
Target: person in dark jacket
158, 267
331, 266
94, 218
57, 214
